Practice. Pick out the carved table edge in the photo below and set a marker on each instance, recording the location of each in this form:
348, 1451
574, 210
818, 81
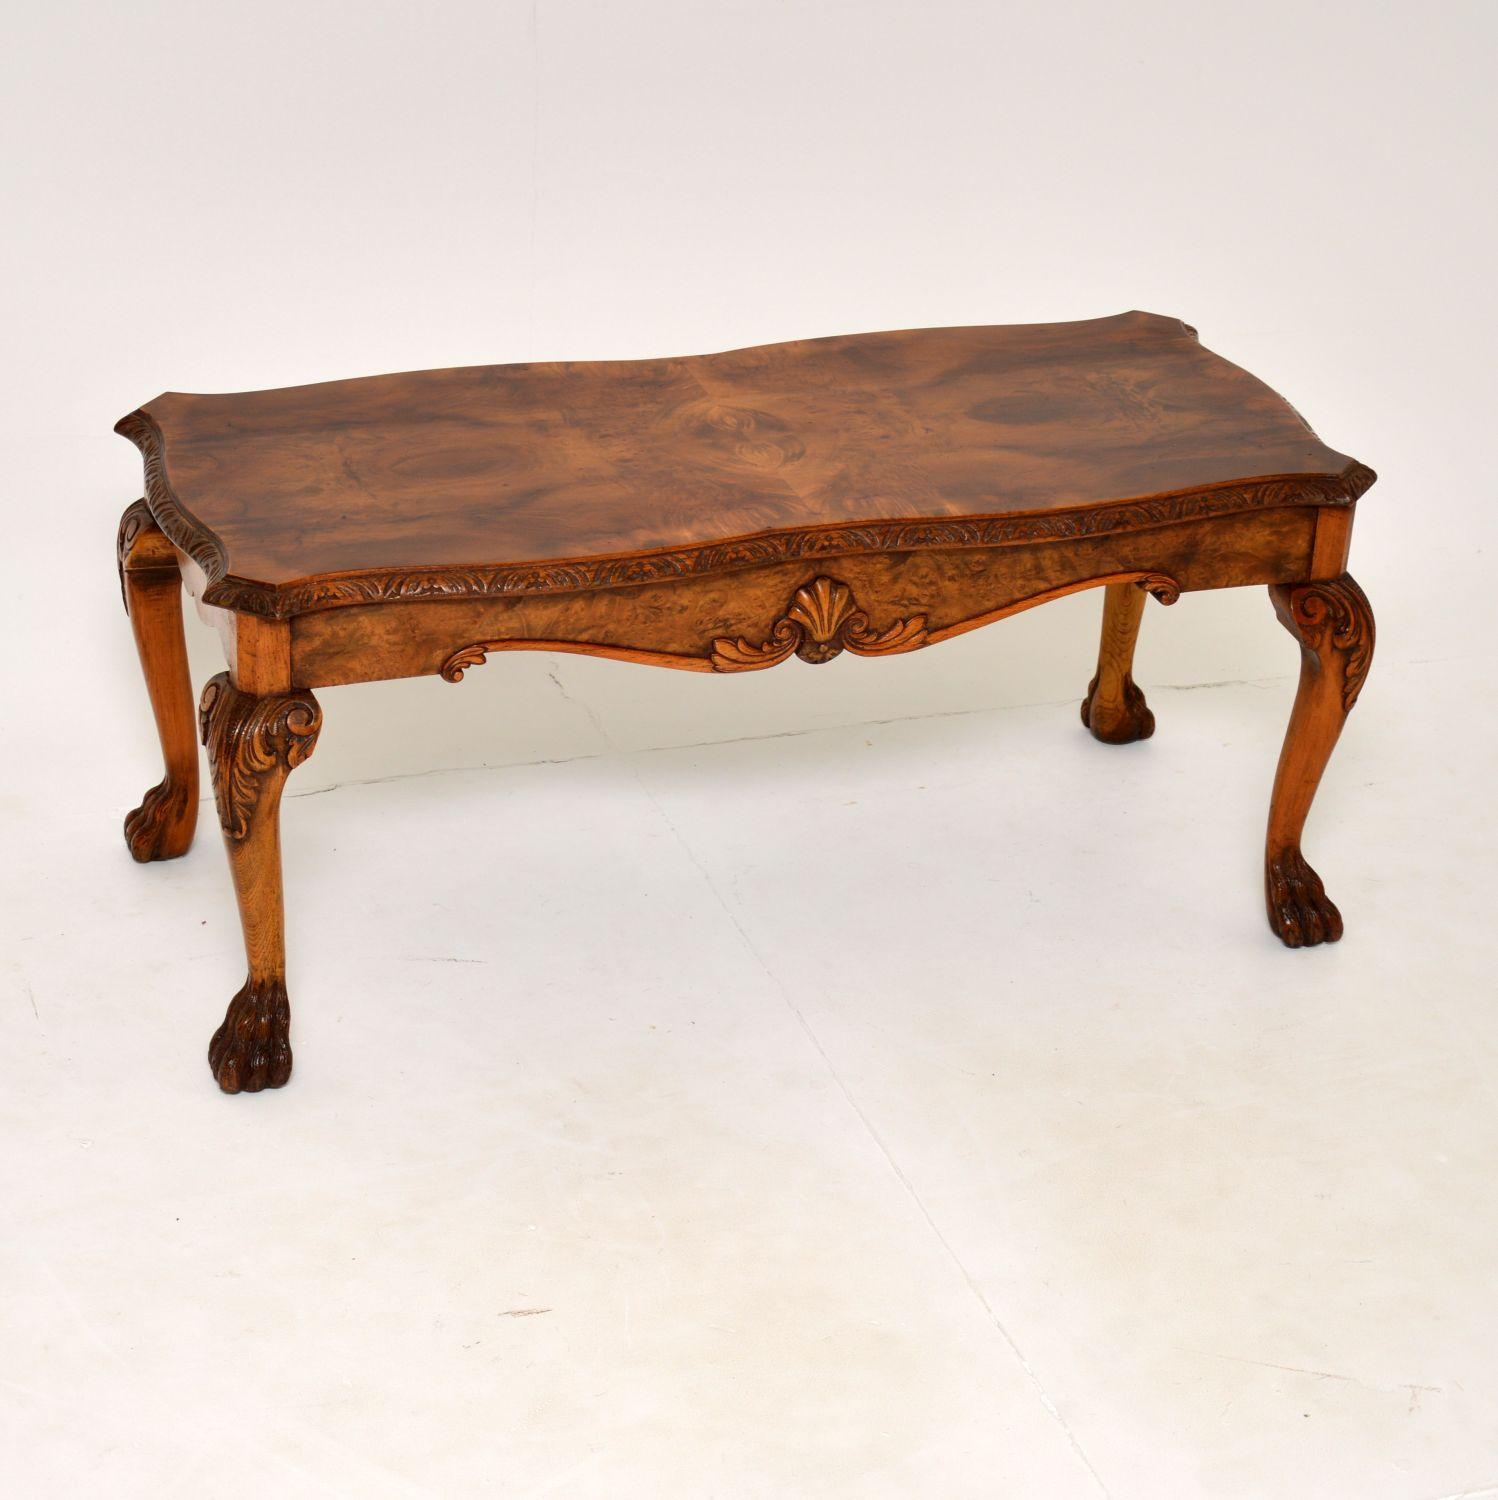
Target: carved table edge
476, 581
182, 528
822, 620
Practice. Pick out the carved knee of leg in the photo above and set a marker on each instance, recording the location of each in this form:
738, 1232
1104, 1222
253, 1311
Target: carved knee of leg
253, 745
1332, 622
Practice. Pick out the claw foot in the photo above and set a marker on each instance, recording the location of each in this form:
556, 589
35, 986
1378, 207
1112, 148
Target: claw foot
1122, 721
161, 828
252, 1049
1300, 912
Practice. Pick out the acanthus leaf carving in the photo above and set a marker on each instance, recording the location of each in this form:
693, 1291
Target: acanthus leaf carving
469, 656
1335, 613
252, 743
739, 655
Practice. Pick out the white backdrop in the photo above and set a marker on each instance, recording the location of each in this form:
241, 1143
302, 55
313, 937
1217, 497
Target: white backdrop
226, 196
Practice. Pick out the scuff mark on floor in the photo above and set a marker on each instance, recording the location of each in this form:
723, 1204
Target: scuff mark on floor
1414, 1390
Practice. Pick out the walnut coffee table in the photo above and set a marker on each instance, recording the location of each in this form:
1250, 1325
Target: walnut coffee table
874, 494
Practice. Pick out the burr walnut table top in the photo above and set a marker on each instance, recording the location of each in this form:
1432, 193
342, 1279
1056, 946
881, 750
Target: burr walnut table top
553, 477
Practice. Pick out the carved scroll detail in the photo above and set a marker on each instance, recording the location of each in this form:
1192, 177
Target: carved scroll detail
136, 518
250, 739
469, 656
1336, 613
1161, 586
821, 621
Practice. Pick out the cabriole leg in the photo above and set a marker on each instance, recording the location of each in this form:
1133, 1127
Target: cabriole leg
1334, 626
1114, 708
253, 744
162, 826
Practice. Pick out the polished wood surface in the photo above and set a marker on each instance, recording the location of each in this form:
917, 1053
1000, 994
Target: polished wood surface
1114, 709
528, 478
866, 496
253, 745
162, 826
678, 624
1333, 623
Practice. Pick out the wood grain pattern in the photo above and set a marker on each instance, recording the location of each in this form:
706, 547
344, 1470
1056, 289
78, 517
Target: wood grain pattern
869, 495
1333, 623
253, 744
552, 478
675, 624
162, 826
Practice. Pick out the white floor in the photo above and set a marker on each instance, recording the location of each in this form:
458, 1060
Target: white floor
836, 1084
910, 1108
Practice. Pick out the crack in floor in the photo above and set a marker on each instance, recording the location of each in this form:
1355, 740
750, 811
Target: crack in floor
1411, 1388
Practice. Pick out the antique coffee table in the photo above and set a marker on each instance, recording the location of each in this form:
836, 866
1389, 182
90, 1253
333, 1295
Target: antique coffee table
874, 494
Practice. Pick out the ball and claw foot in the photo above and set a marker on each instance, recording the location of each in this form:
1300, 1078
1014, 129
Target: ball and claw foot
1132, 719
252, 1049
158, 828
1300, 912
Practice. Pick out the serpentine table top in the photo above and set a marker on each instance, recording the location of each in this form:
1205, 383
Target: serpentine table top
530, 478
872, 493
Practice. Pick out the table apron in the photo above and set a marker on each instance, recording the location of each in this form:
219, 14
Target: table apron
684, 621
